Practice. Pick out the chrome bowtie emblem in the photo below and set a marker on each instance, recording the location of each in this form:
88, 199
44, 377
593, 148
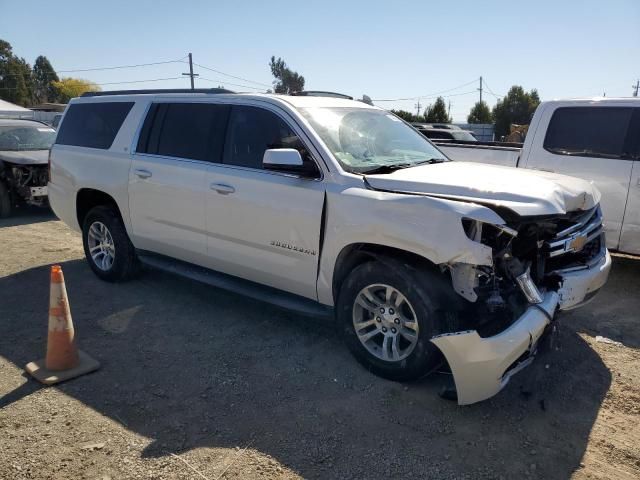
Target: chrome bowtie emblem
577, 243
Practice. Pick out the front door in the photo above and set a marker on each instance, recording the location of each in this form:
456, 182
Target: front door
261, 225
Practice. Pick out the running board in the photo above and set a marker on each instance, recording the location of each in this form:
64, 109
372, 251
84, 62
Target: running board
237, 285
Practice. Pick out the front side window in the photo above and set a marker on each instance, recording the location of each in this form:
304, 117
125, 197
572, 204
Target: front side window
253, 130
20, 138
365, 140
588, 131
93, 125
184, 130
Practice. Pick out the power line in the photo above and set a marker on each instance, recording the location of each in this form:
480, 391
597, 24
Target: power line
229, 83
491, 91
140, 81
104, 68
231, 76
121, 66
429, 95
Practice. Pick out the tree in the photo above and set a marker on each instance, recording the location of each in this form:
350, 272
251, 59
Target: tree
517, 107
69, 88
287, 81
480, 113
437, 113
43, 77
15, 76
406, 116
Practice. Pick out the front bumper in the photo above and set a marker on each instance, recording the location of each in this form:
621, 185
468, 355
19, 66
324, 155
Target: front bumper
481, 367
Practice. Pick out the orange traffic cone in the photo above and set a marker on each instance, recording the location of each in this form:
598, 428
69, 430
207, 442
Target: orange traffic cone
63, 361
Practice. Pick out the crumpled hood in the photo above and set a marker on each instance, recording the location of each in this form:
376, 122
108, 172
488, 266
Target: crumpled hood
29, 157
526, 192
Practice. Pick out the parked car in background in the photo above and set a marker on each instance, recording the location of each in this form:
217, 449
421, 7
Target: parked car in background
24, 151
448, 134
331, 205
594, 139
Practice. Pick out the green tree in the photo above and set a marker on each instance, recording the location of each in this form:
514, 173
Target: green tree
480, 113
517, 107
287, 81
69, 88
43, 77
437, 113
15, 77
403, 114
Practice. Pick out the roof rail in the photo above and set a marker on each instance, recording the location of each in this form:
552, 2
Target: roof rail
160, 90
320, 93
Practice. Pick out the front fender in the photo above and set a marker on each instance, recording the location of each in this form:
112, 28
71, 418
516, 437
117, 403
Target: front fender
425, 226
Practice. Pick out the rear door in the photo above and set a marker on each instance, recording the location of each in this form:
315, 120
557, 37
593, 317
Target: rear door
167, 182
263, 225
630, 238
589, 142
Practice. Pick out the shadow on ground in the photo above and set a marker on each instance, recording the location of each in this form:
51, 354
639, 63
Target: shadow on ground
190, 366
27, 215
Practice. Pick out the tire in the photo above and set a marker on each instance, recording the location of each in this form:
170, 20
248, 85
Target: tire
5, 201
422, 292
103, 228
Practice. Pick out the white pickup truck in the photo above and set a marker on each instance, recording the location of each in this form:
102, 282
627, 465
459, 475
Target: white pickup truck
597, 140
334, 206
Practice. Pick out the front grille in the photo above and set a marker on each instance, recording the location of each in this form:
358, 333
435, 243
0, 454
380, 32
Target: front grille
580, 241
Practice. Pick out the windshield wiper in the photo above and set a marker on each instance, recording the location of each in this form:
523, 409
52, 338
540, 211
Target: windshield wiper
382, 169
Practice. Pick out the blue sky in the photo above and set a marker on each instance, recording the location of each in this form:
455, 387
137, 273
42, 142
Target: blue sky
386, 49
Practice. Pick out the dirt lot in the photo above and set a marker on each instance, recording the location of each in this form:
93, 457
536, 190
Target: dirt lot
203, 384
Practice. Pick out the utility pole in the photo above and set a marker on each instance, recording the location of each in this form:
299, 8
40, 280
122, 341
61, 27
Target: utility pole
191, 74
480, 89
636, 87
449, 110
418, 107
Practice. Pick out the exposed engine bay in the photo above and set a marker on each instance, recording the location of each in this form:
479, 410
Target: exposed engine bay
530, 254
25, 183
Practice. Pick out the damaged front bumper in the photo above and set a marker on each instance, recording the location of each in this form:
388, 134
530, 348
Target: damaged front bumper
481, 367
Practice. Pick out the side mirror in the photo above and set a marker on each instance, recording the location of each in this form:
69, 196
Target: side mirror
288, 160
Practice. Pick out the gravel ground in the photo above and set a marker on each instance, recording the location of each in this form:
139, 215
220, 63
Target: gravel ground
200, 383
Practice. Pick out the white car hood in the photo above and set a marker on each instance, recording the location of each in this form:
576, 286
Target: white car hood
526, 192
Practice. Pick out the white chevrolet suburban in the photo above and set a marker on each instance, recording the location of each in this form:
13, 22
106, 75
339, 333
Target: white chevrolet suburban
331, 205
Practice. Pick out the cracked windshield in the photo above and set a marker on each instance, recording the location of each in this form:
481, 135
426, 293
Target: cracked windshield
365, 140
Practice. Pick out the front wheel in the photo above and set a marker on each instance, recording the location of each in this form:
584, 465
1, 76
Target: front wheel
387, 312
107, 247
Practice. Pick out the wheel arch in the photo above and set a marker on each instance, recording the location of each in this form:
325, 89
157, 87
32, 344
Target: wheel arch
88, 198
357, 253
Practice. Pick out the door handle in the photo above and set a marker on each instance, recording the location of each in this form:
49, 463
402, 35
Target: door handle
222, 188
142, 173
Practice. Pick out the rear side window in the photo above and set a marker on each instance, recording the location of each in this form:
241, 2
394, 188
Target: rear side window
253, 130
93, 125
589, 131
433, 134
184, 130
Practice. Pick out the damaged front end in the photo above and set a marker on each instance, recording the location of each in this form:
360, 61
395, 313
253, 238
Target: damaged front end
540, 265
25, 183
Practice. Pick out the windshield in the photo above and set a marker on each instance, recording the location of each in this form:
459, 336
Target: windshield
20, 138
364, 139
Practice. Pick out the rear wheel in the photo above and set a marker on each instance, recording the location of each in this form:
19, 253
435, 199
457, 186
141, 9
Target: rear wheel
5, 201
107, 247
387, 312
